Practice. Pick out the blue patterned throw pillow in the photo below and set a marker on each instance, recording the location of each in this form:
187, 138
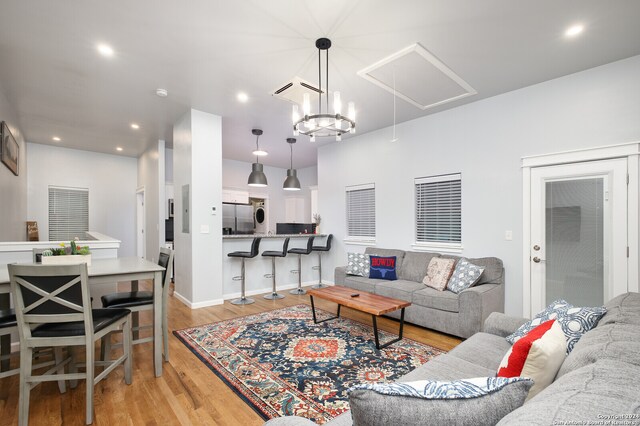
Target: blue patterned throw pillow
435, 389
577, 321
549, 313
383, 267
464, 276
358, 264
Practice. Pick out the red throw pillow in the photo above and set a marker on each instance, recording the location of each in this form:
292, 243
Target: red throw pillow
538, 355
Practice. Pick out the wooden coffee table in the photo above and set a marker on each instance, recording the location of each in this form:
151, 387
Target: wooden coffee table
370, 303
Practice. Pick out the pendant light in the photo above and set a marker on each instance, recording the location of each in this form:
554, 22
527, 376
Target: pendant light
257, 176
291, 183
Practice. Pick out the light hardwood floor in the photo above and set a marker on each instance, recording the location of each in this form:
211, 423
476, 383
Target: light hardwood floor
187, 393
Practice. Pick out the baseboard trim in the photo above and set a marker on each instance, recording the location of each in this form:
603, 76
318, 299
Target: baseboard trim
267, 290
197, 305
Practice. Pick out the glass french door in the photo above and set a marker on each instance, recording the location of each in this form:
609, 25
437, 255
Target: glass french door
578, 233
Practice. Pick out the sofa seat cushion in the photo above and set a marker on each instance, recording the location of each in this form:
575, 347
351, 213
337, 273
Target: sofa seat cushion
414, 265
447, 367
605, 388
432, 298
611, 341
362, 283
400, 289
483, 349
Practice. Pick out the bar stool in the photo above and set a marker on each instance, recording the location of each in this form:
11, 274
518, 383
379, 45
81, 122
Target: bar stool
320, 249
243, 300
273, 255
300, 252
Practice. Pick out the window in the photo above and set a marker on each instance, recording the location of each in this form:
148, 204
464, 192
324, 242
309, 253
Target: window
68, 213
439, 211
361, 212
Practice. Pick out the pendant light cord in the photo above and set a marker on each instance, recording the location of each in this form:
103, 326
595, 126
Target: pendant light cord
291, 148
257, 149
319, 82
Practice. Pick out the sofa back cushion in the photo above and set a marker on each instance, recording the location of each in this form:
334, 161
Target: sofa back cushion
414, 265
493, 270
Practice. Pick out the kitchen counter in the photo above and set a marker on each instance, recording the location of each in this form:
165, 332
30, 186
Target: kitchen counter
235, 237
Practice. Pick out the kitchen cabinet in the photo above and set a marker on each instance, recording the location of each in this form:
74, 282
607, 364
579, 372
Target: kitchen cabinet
294, 210
235, 196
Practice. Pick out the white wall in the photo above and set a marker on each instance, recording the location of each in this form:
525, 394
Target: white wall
484, 141
235, 175
151, 176
111, 180
13, 189
197, 161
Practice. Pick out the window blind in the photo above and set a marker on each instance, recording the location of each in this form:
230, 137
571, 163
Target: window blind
439, 209
361, 211
68, 213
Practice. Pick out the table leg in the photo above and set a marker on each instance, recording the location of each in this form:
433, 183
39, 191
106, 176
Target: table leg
375, 332
157, 323
5, 341
313, 311
135, 317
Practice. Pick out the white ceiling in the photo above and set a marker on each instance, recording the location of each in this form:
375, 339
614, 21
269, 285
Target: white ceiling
205, 51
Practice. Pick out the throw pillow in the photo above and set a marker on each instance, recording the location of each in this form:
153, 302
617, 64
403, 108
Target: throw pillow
577, 321
461, 402
438, 273
358, 264
383, 267
465, 275
549, 313
537, 355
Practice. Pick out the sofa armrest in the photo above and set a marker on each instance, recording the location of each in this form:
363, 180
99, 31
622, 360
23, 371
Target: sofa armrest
476, 303
289, 421
340, 275
502, 325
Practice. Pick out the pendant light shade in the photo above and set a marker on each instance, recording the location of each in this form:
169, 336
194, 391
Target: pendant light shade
291, 183
257, 176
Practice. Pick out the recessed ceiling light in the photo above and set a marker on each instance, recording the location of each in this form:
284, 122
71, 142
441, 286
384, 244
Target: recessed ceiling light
118, 148
574, 30
260, 153
162, 93
135, 126
105, 50
242, 97
57, 139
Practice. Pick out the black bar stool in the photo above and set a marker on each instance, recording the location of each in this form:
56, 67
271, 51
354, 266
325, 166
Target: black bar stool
320, 249
243, 300
300, 252
273, 255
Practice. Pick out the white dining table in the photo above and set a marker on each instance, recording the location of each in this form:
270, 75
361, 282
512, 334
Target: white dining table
109, 271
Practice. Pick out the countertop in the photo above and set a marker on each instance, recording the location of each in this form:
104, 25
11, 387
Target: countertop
236, 237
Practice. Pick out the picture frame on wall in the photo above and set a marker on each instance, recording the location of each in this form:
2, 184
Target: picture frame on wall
10, 153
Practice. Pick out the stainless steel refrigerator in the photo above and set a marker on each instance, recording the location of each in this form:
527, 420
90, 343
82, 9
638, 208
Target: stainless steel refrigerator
238, 217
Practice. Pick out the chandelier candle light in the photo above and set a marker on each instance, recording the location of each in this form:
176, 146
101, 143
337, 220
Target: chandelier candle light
291, 183
323, 124
257, 176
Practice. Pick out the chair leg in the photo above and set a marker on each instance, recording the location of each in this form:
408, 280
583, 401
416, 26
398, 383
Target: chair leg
126, 347
319, 285
243, 300
59, 357
73, 366
165, 326
135, 324
299, 290
90, 371
274, 294
26, 357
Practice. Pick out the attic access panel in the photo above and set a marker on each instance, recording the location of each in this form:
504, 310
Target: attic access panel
420, 78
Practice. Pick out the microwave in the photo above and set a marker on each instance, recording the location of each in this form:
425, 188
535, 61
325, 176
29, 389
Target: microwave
170, 207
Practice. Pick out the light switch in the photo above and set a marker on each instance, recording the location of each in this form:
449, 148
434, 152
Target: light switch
508, 235
204, 229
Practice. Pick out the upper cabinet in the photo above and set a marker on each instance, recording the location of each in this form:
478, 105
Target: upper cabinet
235, 196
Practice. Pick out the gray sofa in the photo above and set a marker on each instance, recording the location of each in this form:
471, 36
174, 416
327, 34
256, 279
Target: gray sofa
458, 314
598, 381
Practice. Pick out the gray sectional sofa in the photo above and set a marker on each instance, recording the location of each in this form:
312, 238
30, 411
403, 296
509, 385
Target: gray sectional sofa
598, 383
458, 314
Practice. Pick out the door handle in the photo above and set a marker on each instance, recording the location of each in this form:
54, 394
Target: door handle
537, 259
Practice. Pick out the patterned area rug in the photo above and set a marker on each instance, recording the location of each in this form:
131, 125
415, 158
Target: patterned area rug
281, 363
